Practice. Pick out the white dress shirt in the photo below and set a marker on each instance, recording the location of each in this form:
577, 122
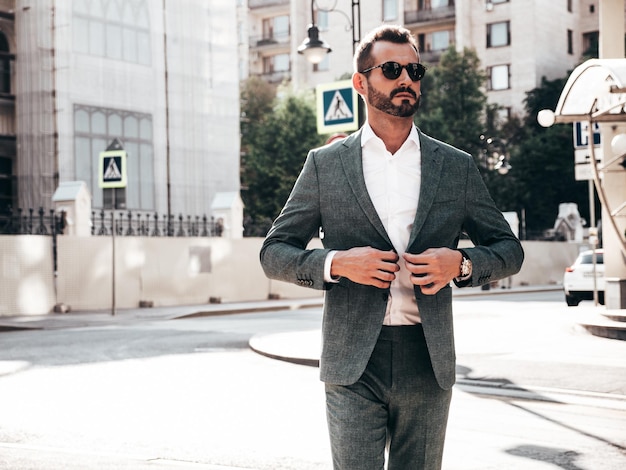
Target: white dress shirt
393, 183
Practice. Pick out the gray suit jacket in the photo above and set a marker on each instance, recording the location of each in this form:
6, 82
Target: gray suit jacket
330, 193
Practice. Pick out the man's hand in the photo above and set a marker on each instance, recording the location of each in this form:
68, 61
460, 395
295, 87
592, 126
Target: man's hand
433, 269
366, 265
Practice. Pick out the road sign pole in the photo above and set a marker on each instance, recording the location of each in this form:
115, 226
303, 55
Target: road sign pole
113, 307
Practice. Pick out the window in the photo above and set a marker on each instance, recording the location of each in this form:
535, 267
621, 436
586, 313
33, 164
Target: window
390, 10
570, 42
5, 65
569, 5
116, 29
497, 1
498, 34
440, 3
276, 63
324, 65
276, 28
591, 43
322, 20
498, 77
440, 40
94, 130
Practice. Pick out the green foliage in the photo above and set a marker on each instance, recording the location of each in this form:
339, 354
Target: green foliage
543, 163
453, 101
278, 132
276, 137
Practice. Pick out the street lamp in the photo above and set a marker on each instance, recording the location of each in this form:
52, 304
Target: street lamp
314, 48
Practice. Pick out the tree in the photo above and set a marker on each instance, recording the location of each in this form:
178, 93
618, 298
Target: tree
542, 176
453, 100
276, 137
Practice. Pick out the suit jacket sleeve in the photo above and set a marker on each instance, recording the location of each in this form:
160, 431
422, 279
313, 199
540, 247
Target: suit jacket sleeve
284, 254
497, 253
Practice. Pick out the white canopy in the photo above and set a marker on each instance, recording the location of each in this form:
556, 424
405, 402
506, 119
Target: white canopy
595, 90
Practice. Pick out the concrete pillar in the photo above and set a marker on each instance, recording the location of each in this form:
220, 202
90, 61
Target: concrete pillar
614, 182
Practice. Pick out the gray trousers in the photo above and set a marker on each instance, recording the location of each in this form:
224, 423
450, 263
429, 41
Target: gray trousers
396, 406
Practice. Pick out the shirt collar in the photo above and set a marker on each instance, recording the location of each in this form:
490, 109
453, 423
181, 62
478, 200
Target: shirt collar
368, 134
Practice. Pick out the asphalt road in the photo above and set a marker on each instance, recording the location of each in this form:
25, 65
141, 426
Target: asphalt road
535, 392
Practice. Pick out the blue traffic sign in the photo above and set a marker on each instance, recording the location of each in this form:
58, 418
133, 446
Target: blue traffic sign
337, 107
112, 169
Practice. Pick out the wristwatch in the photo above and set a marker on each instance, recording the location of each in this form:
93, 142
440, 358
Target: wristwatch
466, 266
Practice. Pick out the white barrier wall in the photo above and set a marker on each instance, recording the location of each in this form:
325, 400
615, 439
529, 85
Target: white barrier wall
175, 271
26, 275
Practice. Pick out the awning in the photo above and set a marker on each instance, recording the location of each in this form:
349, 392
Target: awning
595, 90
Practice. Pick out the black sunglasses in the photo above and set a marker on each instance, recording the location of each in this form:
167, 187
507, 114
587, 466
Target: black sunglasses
392, 70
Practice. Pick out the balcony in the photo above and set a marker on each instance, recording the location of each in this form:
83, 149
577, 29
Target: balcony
425, 16
274, 78
277, 39
266, 3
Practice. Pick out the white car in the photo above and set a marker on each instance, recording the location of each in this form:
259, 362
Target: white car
578, 278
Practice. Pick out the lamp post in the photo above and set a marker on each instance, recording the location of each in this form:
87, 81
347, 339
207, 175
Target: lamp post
314, 48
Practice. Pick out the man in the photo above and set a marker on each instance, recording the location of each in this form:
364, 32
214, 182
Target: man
391, 204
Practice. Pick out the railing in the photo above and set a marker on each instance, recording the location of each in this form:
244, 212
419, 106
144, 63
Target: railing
28, 223
266, 3
151, 225
127, 223
430, 14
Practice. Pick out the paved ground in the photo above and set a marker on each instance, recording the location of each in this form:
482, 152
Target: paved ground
494, 424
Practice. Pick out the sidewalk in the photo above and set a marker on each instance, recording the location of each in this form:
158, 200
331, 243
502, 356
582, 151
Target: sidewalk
80, 319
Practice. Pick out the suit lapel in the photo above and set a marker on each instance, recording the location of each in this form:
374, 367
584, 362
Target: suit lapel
352, 162
432, 161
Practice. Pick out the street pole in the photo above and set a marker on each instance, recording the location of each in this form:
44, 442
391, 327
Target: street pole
113, 254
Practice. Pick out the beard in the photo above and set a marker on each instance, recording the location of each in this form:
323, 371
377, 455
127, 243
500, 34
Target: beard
383, 103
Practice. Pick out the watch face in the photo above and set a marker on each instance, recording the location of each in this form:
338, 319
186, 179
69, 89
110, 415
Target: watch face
465, 267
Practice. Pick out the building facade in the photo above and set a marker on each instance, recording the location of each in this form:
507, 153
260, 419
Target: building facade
517, 41
157, 76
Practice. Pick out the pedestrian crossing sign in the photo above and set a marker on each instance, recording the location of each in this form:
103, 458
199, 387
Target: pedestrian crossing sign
112, 169
337, 107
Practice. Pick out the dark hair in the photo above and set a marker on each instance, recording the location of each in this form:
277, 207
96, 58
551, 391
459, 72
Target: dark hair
391, 33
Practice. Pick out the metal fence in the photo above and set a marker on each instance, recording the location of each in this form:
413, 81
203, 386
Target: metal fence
125, 223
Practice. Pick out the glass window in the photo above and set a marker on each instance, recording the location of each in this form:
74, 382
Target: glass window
98, 123
145, 129
281, 27
570, 41
115, 125
281, 63
322, 20
80, 31
130, 45
143, 48
131, 127
440, 40
390, 10
106, 125
498, 77
81, 121
439, 3
96, 38
119, 30
114, 41
498, 34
